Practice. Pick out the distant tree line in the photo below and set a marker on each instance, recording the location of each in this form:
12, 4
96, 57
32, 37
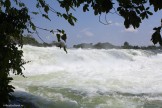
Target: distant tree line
107, 45
30, 40
126, 45
99, 45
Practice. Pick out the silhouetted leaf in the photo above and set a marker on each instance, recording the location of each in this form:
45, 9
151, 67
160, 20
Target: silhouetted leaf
35, 13
46, 9
21, 4
71, 22
7, 3
138, 11
59, 30
42, 2
52, 31
150, 13
65, 49
33, 26
156, 37
155, 28
64, 37
58, 37
85, 8
143, 15
147, 8
65, 16
46, 16
126, 23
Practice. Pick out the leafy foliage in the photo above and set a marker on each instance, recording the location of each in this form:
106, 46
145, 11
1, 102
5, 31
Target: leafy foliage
133, 11
13, 22
156, 36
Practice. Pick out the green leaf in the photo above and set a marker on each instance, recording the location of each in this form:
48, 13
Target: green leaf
146, 16
143, 15
155, 9
59, 30
147, 8
46, 16
65, 49
59, 14
52, 31
35, 13
155, 28
64, 37
126, 23
71, 22
46, 9
65, 16
150, 13
85, 8
95, 12
21, 4
119, 8
42, 2
37, 5
32, 26
156, 37
142, 8
63, 32
7, 3
58, 37
138, 11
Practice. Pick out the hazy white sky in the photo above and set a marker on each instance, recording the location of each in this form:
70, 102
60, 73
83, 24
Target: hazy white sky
88, 29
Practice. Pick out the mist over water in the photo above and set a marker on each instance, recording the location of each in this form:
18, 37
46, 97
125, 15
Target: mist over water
114, 78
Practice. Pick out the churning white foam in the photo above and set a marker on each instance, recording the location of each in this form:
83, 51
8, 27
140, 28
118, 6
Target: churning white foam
106, 70
91, 72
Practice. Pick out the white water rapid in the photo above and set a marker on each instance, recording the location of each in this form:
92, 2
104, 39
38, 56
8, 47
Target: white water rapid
114, 78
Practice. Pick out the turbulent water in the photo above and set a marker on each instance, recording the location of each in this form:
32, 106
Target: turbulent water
114, 78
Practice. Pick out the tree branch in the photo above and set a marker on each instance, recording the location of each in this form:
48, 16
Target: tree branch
45, 29
39, 36
107, 23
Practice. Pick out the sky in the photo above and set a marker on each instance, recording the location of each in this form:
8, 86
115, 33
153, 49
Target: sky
88, 29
